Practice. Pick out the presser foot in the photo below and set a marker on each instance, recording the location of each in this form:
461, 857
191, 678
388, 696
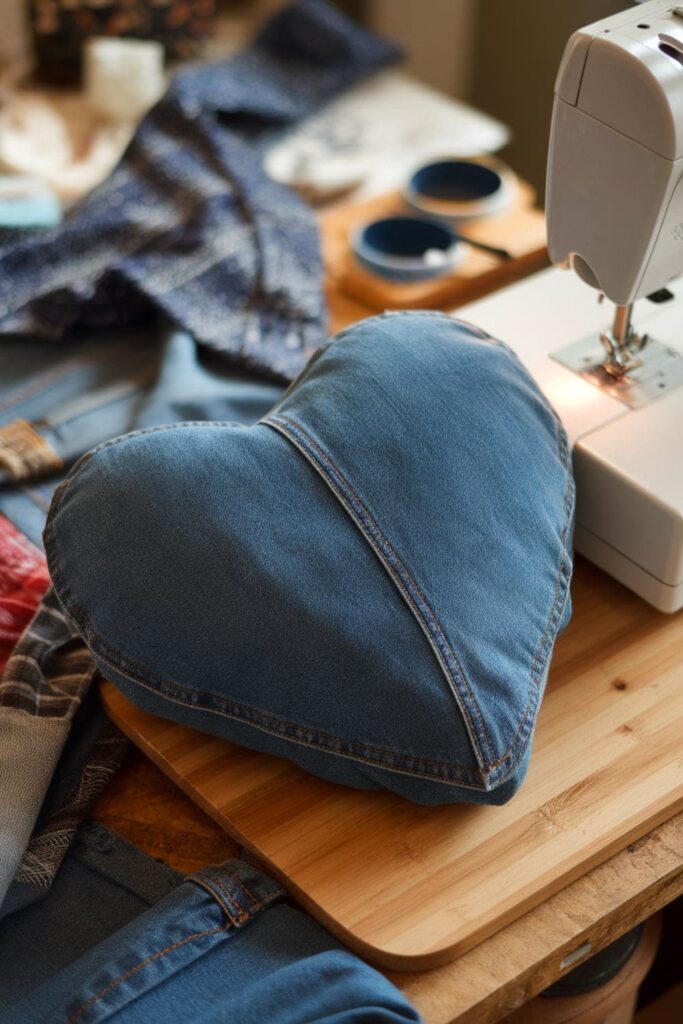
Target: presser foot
629, 366
622, 357
634, 376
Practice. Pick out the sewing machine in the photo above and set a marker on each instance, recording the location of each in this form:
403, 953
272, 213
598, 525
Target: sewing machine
615, 215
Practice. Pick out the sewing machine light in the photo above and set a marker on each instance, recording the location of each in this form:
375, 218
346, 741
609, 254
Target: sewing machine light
571, 394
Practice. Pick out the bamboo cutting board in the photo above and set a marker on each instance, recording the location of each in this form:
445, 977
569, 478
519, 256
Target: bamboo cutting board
412, 887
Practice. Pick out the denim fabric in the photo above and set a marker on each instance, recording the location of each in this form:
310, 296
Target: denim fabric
369, 582
220, 947
87, 390
74, 396
189, 223
38, 379
101, 872
189, 227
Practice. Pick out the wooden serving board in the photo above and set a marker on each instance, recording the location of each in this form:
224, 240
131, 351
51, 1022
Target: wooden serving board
413, 887
520, 230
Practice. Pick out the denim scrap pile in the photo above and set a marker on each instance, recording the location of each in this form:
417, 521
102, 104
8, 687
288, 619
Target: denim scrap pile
189, 223
185, 287
220, 946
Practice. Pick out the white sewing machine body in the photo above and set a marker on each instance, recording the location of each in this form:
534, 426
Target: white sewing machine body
614, 200
615, 214
628, 462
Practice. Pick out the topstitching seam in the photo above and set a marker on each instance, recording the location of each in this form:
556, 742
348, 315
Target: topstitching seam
288, 426
396, 568
143, 963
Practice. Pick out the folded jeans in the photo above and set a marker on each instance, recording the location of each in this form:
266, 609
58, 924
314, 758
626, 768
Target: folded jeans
221, 946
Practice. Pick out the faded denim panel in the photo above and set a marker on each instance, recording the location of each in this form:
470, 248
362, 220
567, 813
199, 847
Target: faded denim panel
372, 588
444, 451
242, 588
80, 393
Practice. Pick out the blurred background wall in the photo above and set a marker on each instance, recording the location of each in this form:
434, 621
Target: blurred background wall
437, 36
13, 33
500, 55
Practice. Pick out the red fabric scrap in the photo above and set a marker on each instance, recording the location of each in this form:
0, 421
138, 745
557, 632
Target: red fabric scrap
23, 581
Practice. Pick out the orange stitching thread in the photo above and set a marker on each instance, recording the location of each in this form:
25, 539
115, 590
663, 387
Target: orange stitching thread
151, 682
256, 904
555, 607
238, 881
242, 914
558, 604
289, 423
205, 886
138, 967
465, 775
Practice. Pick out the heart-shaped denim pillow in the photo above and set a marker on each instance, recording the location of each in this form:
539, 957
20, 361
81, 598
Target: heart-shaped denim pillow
369, 582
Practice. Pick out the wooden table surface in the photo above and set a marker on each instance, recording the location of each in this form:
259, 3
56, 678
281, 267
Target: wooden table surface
500, 973
505, 970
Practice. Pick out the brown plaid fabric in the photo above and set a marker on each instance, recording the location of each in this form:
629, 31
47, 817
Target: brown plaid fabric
57, 752
50, 668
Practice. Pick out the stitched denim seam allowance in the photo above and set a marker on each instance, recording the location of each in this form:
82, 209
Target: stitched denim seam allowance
411, 765
303, 373
563, 577
434, 314
441, 771
446, 772
396, 570
234, 915
495, 768
428, 314
207, 878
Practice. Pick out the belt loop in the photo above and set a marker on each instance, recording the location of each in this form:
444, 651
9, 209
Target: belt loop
241, 889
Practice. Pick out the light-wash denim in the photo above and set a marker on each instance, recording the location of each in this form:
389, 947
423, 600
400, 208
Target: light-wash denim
76, 394
122, 938
81, 392
369, 581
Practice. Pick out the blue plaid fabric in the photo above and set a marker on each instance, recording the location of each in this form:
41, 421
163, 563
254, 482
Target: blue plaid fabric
189, 223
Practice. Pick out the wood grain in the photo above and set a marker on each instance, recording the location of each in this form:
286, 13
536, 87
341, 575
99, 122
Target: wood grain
613, 1002
147, 809
520, 230
519, 961
490, 980
413, 887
